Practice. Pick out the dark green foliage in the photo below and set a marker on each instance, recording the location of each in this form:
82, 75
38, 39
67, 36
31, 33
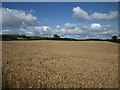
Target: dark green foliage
56, 37
114, 38
37, 38
8, 37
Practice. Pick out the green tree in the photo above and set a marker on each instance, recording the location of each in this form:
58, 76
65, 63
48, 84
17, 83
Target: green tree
114, 38
56, 36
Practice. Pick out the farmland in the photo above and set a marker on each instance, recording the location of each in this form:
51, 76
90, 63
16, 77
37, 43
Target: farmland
60, 64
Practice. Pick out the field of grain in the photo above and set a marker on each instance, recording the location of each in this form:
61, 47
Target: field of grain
58, 64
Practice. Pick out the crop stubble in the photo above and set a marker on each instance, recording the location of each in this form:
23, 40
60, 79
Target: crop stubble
58, 64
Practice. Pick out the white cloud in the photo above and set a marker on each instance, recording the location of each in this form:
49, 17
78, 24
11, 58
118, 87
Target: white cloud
58, 26
83, 15
70, 26
35, 30
80, 13
29, 33
103, 16
96, 26
45, 28
14, 17
94, 30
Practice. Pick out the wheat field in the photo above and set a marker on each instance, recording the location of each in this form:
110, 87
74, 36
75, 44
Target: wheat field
59, 64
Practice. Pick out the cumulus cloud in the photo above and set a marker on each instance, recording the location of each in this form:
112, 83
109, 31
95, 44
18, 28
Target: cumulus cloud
14, 17
95, 26
80, 13
94, 30
83, 15
70, 26
58, 26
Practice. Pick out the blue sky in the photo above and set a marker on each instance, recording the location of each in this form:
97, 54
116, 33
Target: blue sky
51, 17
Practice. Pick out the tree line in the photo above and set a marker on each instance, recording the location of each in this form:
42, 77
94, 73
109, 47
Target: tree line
9, 37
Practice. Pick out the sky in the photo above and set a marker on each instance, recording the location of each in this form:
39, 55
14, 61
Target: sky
80, 20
